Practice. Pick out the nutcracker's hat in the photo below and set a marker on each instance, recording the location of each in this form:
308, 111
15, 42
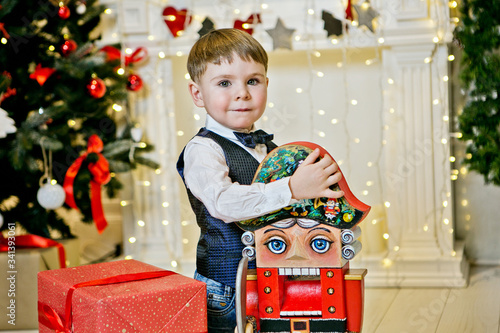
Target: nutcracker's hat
342, 213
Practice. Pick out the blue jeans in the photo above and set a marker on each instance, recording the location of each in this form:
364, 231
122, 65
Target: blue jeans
221, 306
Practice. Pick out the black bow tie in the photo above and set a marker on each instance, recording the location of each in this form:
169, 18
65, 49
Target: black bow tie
252, 139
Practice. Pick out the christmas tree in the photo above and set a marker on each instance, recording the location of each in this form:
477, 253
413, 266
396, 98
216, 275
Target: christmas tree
479, 36
58, 126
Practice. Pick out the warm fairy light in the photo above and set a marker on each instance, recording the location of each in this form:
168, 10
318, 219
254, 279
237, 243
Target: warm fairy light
427, 60
173, 264
453, 177
297, 38
365, 5
445, 78
158, 171
264, 6
452, 4
53, 181
451, 231
185, 241
445, 203
340, 64
320, 74
335, 121
385, 235
310, 11
369, 164
180, 133
3, 40
146, 183
108, 11
321, 134
270, 104
357, 140
451, 57
128, 50
465, 203
355, 23
453, 253
71, 122
179, 53
51, 48
129, 257
390, 81
120, 71
161, 55
141, 223
123, 203
354, 102
455, 171
446, 221
187, 76
151, 37
164, 222
236, 11
463, 170
369, 183
196, 116
468, 156
374, 221
368, 62
396, 248
426, 228
299, 90
435, 102
117, 107
365, 192
142, 145
335, 41
317, 54
387, 204
165, 204
446, 118
184, 223
444, 141
381, 40
246, 26
391, 110
435, 39
132, 240
387, 262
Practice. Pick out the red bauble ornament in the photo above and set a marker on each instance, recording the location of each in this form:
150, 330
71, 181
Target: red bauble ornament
96, 88
68, 47
63, 12
134, 82
176, 20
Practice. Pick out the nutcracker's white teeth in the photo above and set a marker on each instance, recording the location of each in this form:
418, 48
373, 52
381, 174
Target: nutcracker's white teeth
299, 271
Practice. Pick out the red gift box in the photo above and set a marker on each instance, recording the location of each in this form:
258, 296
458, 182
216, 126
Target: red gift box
121, 296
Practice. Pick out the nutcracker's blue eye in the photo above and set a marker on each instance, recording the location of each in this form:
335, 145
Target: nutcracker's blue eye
276, 245
320, 245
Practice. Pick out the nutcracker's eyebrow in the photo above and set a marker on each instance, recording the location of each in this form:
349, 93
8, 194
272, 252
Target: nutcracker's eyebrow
319, 228
273, 229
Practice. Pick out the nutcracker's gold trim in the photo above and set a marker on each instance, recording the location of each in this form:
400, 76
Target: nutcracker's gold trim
355, 274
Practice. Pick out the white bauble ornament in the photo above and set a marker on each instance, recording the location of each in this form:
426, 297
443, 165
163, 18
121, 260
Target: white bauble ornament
51, 196
1, 220
136, 133
81, 8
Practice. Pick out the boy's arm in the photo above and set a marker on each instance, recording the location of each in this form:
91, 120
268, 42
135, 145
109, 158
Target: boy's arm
207, 176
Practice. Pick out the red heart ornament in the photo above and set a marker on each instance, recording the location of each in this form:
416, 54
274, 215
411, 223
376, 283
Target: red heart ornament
248, 24
176, 20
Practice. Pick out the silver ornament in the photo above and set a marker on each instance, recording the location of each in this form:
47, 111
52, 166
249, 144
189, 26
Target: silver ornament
51, 196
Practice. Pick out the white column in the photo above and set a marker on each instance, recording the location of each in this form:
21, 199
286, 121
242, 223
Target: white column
418, 193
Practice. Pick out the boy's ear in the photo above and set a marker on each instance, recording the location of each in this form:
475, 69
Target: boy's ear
196, 95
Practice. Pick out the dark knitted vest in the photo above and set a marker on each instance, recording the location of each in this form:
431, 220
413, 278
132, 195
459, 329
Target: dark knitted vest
219, 247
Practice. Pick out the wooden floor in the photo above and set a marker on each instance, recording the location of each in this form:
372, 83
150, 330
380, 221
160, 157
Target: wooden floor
475, 309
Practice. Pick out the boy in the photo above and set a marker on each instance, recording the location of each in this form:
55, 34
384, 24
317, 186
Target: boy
228, 69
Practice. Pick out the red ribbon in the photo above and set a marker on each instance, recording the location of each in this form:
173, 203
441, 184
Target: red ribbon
2, 29
32, 242
114, 54
101, 176
49, 317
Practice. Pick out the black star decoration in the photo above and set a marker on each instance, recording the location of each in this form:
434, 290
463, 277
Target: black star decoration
332, 26
206, 26
366, 14
281, 35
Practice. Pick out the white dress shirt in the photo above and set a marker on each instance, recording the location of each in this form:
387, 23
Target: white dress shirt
206, 174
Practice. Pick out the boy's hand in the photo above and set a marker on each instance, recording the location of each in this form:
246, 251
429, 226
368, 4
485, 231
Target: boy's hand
313, 179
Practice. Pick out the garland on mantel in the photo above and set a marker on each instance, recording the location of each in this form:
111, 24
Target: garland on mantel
479, 36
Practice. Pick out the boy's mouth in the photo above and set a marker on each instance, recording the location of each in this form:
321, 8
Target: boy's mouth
241, 110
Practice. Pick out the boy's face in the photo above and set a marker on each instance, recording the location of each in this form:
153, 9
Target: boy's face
233, 94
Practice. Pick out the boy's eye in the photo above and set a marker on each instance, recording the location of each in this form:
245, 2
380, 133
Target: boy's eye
276, 245
320, 245
253, 82
224, 84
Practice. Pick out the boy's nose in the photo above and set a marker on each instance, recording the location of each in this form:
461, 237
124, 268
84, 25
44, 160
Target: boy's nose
243, 93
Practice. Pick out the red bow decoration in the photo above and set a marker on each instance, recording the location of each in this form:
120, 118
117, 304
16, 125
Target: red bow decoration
248, 24
9, 92
41, 74
100, 176
176, 20
2, 29
114, 54
32, 242
48, 317
348, 11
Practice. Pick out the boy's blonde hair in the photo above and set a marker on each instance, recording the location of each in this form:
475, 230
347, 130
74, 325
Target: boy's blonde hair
221, 45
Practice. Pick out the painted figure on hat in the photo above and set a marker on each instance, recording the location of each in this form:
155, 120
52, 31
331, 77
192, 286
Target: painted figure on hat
302, 282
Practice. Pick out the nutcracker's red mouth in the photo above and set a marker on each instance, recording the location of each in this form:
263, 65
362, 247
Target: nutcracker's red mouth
298, 303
